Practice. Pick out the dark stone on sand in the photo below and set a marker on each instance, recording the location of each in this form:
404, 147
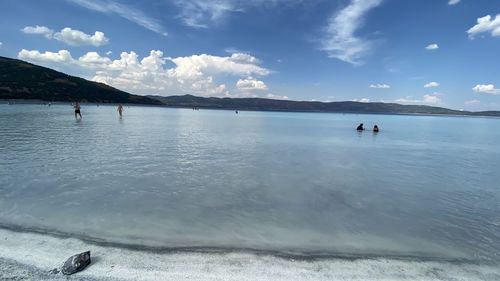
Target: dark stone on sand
76, 263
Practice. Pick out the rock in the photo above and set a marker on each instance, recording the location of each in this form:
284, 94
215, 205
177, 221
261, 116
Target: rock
76, 263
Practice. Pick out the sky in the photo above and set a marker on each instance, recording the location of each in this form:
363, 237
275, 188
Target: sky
440, 52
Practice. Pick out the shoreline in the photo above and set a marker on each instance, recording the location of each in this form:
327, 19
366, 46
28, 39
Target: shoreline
42, 102
29, 256
294, 254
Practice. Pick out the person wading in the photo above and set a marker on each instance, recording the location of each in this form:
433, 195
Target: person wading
77, 110
120, 109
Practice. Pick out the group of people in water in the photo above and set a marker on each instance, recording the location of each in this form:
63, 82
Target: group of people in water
361, 128
78, 112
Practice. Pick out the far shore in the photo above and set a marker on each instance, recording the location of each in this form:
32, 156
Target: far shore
43, 102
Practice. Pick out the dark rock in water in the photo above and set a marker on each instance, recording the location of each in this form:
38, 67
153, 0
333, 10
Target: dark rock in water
76, 263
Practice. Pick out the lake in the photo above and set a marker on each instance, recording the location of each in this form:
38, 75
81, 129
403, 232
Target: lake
297, 184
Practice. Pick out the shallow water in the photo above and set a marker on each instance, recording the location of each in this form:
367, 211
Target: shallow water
308, 183
29, 257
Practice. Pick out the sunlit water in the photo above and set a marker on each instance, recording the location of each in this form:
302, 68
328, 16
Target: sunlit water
307, 183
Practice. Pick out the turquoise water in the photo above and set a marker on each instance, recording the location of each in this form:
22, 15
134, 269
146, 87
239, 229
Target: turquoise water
306, 183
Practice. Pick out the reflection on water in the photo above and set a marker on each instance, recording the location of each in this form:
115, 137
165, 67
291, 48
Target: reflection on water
286, 181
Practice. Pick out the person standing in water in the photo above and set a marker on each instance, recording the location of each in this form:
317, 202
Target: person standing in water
360, 127
120, 109
77, 110
375, 129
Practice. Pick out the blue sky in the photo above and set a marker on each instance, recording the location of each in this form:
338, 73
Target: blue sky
439, 52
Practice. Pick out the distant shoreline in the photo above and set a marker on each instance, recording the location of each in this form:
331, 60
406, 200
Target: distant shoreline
43, 102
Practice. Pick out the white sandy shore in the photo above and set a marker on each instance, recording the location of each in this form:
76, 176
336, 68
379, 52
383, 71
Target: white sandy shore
28, 256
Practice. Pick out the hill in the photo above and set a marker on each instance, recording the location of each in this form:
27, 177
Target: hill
22, 80
310, 106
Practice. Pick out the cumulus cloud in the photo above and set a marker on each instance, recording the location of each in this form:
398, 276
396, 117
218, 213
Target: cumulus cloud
42, 30
485, 24
453, 2
486, 89
426, 99
341, 41
94, 60
362, 100
196, 74
75, 37
63, 56
195, 65
380, 86
113, 7
69, 36
249, 84
432, 98
431, 85
432, 46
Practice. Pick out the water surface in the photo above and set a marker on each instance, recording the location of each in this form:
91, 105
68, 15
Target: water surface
424, 186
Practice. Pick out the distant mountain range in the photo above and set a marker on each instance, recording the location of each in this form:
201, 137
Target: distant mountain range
25, 81
310, 106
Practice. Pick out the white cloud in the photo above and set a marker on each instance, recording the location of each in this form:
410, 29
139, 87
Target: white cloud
472, 102
42, 30
453, 2
432, 46
276, 97
380, 86
75, 37
362, 100
250, 83
232, 50
63, 57
407, 99
124, 11
69, 36
486, 24
426, 99
243, 57
1, 44
93, 60
195, 65
200, 13
431, 85
486, 89
432, 98
204, 13
196, 74
341, 41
